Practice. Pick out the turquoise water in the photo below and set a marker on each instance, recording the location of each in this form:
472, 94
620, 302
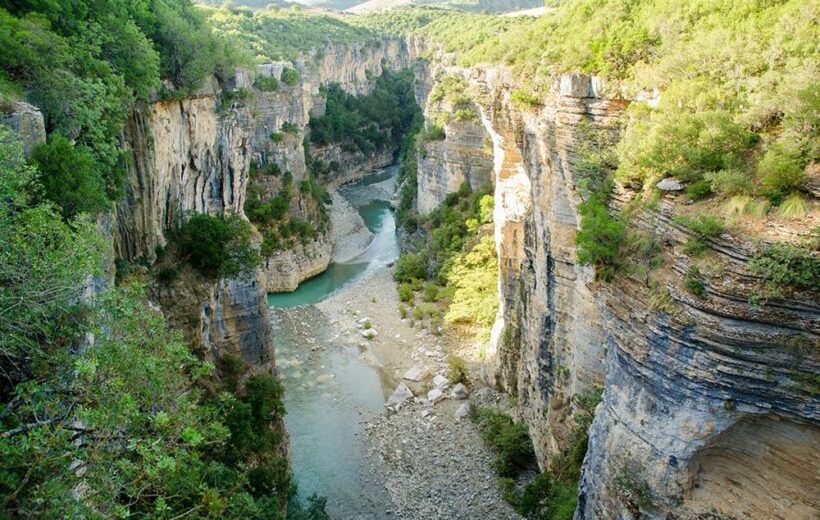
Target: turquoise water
378, 217
330, 388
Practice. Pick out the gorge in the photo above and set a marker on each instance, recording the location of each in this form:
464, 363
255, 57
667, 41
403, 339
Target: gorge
597, 252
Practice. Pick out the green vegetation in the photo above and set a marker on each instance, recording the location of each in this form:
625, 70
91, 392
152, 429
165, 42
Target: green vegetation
266, 84
218, 246
473, 276
410, 268
786, 265
275, 34
370, 123
126, 416
694, 282
724, 135
509, 439
457, 369
703, 226
290, 77
85, 63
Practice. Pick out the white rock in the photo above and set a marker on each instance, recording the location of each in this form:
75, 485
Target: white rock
426, 413
369, 333
463, 411
401, 394
435, 395
362, 321
460, 392
440, 381
670, 184
416, 373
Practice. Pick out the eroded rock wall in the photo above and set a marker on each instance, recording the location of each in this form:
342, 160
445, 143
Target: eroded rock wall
708, 406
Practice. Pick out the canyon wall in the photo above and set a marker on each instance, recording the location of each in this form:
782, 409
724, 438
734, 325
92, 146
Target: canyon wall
710, 404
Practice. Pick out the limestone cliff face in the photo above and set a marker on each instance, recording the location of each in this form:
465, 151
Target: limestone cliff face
347, 166
709, 406
464, 155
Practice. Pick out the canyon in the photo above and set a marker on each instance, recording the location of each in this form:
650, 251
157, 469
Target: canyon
709, 406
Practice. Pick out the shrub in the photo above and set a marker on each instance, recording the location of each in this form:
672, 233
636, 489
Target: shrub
406, 294
217, 246
266, 84
431, 291
433, 133
699, 190
694, 282
525, 98
290, 76
705, 226
68, 178
402, 311
410, 267
167, 274
466, 114
289, 128
781, 172
510, 441
457, 369
277, 137
600, 237
787, 265
729, 182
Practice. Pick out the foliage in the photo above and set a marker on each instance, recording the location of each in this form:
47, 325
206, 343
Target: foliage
67, 177
600, 237
84, 63
410, 267
457, 369
218, 246
266, 83
786, 265
290, 76
694, 282
509, 439
474, 275
289, 128
285, 34
369, 123
432, 133
759, 128
44, 262
406, 293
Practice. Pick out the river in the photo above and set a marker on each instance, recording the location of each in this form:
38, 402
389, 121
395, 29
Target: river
330, 387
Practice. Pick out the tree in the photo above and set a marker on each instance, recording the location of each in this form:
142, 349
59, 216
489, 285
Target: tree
68, 179
217, 246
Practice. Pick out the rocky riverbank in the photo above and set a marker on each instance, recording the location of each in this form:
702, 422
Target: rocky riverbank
433, 464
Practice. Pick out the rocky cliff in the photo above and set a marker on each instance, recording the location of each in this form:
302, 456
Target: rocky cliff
709, 404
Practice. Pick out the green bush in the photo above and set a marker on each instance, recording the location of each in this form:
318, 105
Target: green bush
600, 237
699, 190
67, 177
781, 172
410, 267
431, 292
290, 76
167, 275
786, 265
509, 439
217, 246
266, 84
289, 128
406, 294
432, 133
457, 369
277, 137
694, 282
704, 226
527, 99
402, 311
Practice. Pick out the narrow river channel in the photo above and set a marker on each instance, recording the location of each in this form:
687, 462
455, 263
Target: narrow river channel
330, 388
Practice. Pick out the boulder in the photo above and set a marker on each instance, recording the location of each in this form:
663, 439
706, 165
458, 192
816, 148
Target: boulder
399, 396
435, 395
416, 374
463, 411
440, 381
459, 392
369, 333
670, 184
